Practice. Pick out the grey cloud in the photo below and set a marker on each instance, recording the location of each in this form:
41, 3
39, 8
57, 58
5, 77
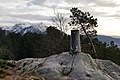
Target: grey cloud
26, 12
99, 14
116, 16
38, 2
31, 17
73, 1
96, 2
66, 8
85, 8
13, 19
106, 3
47, 3
10, 21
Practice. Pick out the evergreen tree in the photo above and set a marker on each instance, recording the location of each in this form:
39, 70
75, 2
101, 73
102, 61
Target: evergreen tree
85, 22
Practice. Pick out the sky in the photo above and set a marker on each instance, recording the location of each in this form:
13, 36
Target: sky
35, 11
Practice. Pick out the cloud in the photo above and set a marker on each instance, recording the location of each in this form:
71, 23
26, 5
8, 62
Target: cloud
10, 21
115, 16
109, 3
19, 8
31, 17
38, 2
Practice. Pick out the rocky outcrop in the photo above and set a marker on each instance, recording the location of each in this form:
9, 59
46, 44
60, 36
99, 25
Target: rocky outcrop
68, 67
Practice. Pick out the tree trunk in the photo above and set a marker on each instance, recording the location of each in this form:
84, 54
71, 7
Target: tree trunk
89, 39
75, 42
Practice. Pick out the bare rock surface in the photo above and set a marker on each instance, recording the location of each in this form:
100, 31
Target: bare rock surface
68, 67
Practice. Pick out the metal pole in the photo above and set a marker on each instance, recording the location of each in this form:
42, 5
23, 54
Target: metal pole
75, 42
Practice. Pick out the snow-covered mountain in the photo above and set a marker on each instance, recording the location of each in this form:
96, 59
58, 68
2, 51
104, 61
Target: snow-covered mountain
40, 28
23, 28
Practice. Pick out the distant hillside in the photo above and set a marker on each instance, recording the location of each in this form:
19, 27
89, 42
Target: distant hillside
108, 39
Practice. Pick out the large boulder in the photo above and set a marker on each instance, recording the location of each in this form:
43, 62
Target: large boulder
69, 67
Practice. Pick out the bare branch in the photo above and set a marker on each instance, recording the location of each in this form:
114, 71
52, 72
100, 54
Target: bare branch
60, 21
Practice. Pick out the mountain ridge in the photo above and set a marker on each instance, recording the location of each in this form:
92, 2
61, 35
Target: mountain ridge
108, 39
23, 28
